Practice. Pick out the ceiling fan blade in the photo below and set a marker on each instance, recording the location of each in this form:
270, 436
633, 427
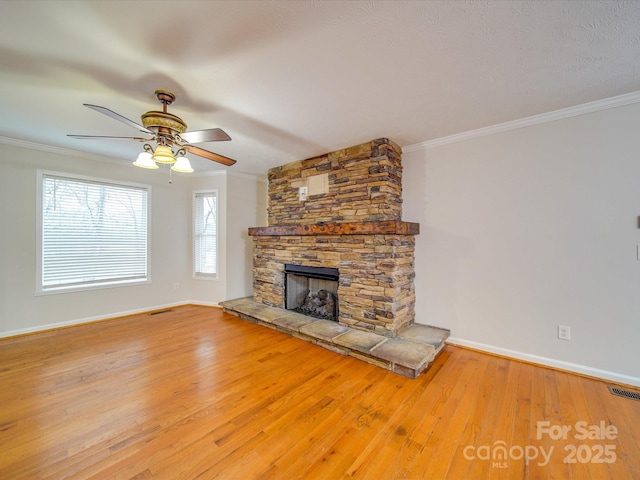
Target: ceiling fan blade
210, 135
106, 137
201, 152
120, 118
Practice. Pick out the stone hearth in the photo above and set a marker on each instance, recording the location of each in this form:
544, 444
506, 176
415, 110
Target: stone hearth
409, 353
343, 211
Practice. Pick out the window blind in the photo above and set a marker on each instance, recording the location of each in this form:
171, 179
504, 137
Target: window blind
93, 233
205, 233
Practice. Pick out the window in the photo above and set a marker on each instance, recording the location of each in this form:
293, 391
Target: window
205, 234
91, 233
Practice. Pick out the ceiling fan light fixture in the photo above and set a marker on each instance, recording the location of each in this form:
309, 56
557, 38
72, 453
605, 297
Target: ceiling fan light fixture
166, 130
164, 154
144, 160
182, 165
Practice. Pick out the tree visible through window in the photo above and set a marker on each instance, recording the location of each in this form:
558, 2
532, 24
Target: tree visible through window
205, 234
93, 233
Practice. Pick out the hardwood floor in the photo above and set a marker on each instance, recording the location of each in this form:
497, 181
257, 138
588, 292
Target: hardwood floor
195, 393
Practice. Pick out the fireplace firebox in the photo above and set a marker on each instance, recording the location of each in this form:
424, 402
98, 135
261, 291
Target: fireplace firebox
312, 291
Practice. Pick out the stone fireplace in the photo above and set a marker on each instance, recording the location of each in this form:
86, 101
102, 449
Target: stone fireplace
335, 265
342, 211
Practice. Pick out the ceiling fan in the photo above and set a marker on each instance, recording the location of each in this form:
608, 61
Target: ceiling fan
168, 131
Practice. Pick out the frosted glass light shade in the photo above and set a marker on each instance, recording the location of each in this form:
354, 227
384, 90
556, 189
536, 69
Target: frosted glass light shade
164, 154
144, 160
182, 165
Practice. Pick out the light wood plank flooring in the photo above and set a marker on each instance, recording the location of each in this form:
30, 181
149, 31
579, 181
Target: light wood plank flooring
195, 393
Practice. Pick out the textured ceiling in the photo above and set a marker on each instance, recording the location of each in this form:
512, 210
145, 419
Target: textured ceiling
293, 79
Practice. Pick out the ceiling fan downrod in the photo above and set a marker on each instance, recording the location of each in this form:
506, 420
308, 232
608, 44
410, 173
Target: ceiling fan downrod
165, 98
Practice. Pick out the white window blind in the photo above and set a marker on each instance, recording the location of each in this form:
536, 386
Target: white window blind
205, 236
93, 233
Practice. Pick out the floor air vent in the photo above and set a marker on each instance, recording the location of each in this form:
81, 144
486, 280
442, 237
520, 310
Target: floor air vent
624, 393
160, 311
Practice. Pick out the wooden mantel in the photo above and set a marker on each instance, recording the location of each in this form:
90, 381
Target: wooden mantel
388, 227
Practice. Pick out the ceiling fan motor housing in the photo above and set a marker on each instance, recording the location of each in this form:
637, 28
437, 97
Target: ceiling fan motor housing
162, 122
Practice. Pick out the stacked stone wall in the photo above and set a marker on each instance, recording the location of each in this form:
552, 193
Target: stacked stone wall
364, 184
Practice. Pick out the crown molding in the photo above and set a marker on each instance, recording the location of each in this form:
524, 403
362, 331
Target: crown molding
229, 173
247, 176
596, 106
15, 142
209, 173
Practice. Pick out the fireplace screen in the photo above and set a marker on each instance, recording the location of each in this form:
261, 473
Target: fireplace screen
312, 291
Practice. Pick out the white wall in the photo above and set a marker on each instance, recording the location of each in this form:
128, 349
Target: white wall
533, 228
241, 205
246, 198
170, 252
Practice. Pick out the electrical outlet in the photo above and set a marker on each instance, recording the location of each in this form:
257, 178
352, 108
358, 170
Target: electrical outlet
176, 287
302, 193
564, 332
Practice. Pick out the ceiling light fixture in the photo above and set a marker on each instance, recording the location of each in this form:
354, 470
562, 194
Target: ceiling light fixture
163, 154
182, 165
166, 130
145, 159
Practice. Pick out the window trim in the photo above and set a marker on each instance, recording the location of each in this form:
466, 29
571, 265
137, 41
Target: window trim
195, 275
39, 289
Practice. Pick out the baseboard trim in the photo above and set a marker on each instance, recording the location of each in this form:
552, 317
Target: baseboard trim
205, 304
597, 373
81, 321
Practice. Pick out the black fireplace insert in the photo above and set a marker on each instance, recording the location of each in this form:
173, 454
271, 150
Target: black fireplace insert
312, 291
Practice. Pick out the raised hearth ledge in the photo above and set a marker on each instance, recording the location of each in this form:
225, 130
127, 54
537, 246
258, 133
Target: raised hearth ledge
409, 354
387, 227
